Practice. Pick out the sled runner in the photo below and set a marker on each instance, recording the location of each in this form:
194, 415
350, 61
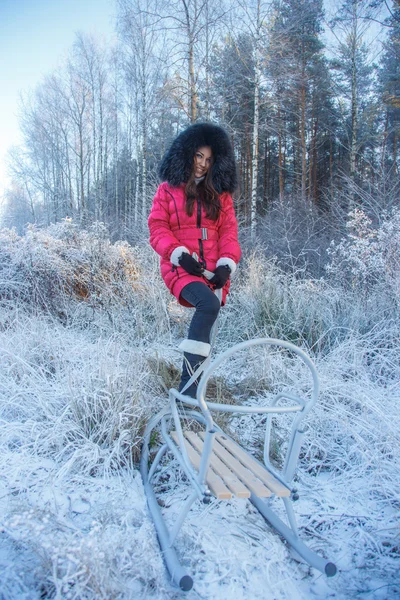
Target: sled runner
217, 467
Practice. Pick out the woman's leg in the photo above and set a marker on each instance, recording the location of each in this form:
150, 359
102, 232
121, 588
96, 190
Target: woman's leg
207, 306
197, 345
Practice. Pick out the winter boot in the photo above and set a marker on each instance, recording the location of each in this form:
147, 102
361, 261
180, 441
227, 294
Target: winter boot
191, 363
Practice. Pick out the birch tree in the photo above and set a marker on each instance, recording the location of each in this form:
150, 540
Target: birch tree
46, 159
254, 18
191, 26
256, 119
93, 70
140, 30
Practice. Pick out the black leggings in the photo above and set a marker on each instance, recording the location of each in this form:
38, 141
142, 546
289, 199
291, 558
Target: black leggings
207, 306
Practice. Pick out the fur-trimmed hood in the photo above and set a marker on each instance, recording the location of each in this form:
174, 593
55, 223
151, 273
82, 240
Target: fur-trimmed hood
177, 163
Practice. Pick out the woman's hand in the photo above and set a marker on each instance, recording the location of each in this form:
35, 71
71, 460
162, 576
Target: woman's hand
221, 276
190, 265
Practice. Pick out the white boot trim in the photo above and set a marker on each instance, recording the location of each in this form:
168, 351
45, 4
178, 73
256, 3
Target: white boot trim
195, 347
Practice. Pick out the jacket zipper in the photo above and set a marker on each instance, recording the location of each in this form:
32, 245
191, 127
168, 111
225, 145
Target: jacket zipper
198, 213
201, 249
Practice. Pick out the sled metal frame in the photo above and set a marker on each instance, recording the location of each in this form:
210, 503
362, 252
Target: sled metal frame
169, 421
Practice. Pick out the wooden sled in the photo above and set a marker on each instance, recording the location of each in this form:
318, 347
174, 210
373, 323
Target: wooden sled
215, 465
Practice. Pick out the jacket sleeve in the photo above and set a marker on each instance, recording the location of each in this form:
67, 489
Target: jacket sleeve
228, 244
162, 240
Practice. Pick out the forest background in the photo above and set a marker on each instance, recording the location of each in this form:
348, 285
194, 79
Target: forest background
315, 130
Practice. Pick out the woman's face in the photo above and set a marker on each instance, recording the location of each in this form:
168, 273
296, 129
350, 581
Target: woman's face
202, 161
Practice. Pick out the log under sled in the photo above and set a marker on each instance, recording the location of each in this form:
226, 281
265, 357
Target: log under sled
217, 467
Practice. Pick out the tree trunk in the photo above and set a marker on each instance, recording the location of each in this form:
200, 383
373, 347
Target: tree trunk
303, 131
192, 83
191, 71
254, 165
266, 175
280, 156
314, 163
354, 119
144, 175
81, 167
207, 95
354, 101
384, 140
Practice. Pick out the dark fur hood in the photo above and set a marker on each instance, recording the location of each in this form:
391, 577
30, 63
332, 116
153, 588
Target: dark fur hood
177, 163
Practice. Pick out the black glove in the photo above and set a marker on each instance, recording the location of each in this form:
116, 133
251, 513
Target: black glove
190, 265
221, 276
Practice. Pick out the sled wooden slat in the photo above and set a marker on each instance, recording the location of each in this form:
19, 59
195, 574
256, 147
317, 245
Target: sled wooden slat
230, 479
214, 482
267, 478
242, 472
235, 454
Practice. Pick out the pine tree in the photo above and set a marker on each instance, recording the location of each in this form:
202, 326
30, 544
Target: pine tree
389, 80
295, 60
353, 78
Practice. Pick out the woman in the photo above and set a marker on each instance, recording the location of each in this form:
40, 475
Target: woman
193, 227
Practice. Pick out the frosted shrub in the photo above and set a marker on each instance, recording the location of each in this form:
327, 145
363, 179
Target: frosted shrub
80, 277
13, 283
266, 301
388, 239
368, 258
61, 262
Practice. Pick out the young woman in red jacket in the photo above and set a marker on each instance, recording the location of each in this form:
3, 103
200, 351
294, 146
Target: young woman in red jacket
193, 214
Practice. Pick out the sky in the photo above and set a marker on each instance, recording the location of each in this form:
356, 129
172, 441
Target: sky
35, 35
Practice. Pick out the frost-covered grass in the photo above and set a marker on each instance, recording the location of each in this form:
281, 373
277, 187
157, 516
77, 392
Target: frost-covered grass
87, 345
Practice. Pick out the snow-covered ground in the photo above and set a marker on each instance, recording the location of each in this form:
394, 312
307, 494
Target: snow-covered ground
87, 346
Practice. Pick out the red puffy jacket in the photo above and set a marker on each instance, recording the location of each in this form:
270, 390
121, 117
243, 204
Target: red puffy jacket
172, 231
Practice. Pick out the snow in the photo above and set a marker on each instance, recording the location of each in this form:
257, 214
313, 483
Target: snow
80, 378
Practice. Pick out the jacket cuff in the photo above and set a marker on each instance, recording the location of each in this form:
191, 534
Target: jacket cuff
227, 262
177, 253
